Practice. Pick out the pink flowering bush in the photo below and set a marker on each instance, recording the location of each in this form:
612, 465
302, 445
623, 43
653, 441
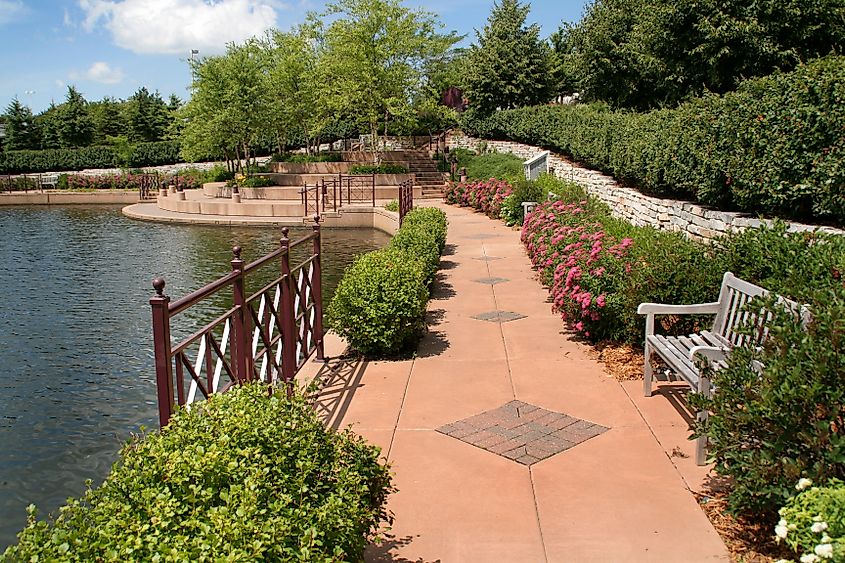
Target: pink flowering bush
484, 195
583, 265
124, 182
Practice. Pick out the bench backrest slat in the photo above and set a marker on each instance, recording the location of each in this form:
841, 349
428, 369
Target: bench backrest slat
733, 315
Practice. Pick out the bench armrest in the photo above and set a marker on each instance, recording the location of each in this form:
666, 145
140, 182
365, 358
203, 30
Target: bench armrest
711, 353
663, 309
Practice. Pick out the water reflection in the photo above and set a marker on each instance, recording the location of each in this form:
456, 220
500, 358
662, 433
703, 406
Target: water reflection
75, 334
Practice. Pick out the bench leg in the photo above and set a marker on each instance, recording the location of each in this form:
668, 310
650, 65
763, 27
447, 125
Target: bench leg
647, 371
701, 441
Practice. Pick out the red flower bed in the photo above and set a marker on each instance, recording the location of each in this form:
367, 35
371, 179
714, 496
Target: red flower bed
485, 195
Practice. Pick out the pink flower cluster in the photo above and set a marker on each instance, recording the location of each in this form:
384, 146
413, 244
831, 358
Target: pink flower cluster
124, 182
485, 195
580, 262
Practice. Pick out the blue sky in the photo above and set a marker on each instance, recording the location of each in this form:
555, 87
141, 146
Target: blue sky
113, 47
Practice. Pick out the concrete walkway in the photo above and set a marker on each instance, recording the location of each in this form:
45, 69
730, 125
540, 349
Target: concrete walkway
619, 490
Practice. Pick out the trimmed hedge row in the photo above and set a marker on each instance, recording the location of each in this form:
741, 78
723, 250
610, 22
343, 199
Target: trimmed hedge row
379, 305
245, 476
143, 154
775, 146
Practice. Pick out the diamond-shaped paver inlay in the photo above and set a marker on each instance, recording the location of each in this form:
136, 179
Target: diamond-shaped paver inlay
491, 281
498, 316
522, 432
488, 258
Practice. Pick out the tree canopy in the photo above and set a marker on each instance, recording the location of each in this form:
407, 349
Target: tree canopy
652, 53
509, 66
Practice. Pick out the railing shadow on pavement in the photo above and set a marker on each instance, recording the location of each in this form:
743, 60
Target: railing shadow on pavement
334, 386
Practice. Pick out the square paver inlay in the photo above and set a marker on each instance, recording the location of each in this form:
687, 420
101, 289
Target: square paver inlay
481, 236
522, 432
491, 281
498, 316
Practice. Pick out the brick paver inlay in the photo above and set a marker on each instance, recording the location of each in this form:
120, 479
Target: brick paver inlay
498, 316
491, 281
522, 432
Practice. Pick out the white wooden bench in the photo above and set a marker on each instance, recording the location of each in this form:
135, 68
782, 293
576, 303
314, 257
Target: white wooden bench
681, 353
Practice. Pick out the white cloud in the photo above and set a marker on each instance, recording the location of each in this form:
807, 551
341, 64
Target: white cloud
11, 10
104, 74
177, 26
98, 72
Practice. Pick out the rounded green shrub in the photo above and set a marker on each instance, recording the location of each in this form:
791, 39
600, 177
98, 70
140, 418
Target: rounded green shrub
813, 521
245, 476
379, 304
431, 219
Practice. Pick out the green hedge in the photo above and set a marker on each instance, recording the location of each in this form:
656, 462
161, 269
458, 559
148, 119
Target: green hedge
379, 305
378, 169
775, 146
246, 476
56, 160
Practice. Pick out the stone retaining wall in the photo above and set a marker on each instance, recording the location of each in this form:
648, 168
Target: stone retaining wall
694, 220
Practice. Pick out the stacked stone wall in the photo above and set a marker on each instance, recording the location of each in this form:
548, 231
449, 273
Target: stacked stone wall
694, 220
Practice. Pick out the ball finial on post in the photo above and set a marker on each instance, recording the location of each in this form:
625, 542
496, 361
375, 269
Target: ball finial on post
158, 285
236, 252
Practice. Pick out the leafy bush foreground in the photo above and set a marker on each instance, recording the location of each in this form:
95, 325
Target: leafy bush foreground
245, 476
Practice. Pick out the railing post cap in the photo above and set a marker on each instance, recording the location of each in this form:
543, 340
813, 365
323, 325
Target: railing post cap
158, 285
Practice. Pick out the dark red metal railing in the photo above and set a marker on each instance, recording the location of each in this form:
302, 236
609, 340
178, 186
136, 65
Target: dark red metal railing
406, 199
267, 336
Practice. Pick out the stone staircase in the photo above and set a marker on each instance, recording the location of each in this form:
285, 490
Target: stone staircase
424, 168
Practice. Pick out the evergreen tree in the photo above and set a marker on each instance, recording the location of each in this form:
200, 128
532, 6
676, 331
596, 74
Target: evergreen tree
48, 122
509, 66
108, 119
148, 116
21, 130
75, 126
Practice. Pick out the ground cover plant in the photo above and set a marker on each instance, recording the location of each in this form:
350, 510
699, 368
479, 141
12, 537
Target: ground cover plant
812, 522
379, 305
247, 475
386, 168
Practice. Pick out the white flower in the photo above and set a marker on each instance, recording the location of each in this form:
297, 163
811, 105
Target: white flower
809, 558
780, 531
782, 522
803, 483
818, 527
824, 550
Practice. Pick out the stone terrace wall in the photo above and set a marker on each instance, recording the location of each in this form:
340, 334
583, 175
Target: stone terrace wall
694, 220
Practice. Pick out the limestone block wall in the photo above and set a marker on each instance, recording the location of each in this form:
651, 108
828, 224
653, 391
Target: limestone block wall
694, 220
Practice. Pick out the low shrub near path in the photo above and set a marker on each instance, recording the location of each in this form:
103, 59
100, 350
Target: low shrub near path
379, 305
245, 476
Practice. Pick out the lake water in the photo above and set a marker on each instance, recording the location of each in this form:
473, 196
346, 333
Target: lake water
76, 365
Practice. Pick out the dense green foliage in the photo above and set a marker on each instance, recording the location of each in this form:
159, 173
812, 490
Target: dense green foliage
643, 54
771, 427
508, 67
385, 168
142, 154
813, 521
493, 165
247, 475
774, 146
77, 122
379, 305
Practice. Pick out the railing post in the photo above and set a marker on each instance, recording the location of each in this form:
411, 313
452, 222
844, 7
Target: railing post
160, 304
317, 289
374, 189
241, 353
288, 324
